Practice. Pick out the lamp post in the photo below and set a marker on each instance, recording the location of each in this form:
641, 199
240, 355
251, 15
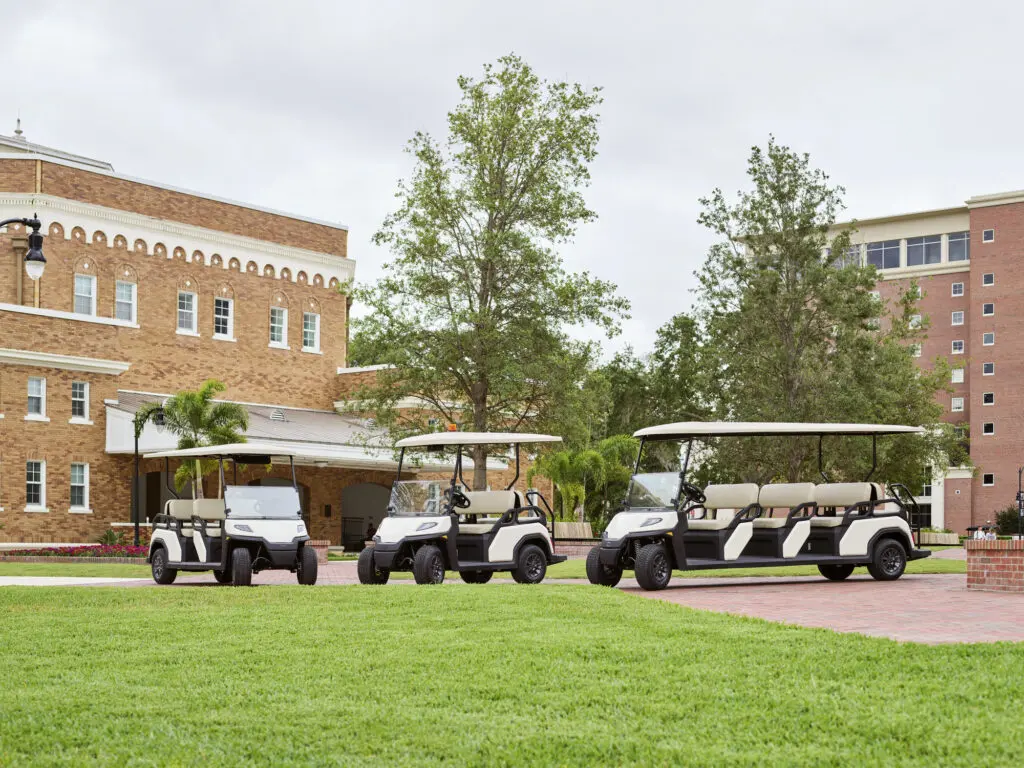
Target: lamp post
35, 262
156, 415
1020, 503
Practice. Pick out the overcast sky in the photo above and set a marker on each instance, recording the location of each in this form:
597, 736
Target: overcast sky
306, 106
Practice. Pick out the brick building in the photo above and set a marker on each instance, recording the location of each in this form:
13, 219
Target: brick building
966, 262
148, 290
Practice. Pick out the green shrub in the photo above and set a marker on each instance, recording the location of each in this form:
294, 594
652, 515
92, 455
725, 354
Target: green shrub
111, 537
1007, 523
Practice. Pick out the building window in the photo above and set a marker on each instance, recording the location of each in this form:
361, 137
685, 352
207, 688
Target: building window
924, 250
989, 278
80, 486
988, 339
988, 236
988, 479
915, 350
884, 254
310, 332
186, 312
278, 327
223, 319
79, 401
36, 398
956, 405
958, 317
988, 369
957, 376
958, 347
85, 295
959, 246
35, 485
124, 301
988, 428
915, 321
988, 398
958, 289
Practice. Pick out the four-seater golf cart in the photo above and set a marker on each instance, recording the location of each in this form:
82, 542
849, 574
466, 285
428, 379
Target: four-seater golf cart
252, 528
433, 526
668, 523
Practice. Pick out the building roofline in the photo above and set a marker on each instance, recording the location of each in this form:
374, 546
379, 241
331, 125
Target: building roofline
33, 148
236, 402
905, 216
996, 198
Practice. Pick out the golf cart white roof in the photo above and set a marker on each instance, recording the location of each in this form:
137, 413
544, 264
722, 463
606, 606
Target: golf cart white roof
244, 449
686, 429
474, 438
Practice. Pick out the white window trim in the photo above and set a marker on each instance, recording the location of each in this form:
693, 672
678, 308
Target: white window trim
194, 331
988, 374
952, 289
988, 314
988, 285
74, 295
990, 474
988, 434
953, 404
915, 321
81, 419
988, 405
230, 335
315, 350
952, 347
60, 314
41, 506
84, 509
986, 231
284, 331
135, 300
953, 374
988, 343
41, 416
953, 314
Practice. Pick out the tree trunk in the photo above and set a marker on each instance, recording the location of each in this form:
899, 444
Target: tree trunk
579, 512
479, 452
197, 482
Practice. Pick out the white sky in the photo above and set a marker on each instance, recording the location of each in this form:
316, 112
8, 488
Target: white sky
306, 106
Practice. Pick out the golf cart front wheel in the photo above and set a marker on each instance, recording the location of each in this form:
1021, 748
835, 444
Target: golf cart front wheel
428, 565
161, 573
889, 560
653, 568
476, 577
532, 565
602, 575
307, 566
368, 572
223, 577
241, 567
835, 572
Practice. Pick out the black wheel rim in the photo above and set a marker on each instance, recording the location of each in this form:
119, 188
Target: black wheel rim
660, 569
437, 570
158, 566
892, 560
534, 566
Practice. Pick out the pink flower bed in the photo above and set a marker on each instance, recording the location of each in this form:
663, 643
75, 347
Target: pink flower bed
96, 550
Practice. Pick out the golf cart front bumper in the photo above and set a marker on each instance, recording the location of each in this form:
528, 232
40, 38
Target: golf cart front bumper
610, 554
284, 554
918, 554
384, 555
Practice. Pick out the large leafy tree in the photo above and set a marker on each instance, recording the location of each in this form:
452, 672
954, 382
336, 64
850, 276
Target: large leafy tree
792, 331
474, 310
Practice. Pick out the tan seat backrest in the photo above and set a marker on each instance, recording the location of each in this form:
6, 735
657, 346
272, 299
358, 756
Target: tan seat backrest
489, 502
209, 509
842, 495
785, 495
734, 496
180, 509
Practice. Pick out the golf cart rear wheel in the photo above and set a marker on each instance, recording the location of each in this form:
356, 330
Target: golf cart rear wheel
476, 577
835, 572
653, 567
307, 566
161, 573
532, 566
241, 567
428, 565
602, 575
888, 561
368, 572
223, 577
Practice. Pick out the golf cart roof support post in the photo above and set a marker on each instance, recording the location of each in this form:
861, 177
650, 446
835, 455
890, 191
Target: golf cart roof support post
234, 471
821, 465
220, 471
167, 478
639, 453
401, 458
458, 470
686, 460
513, 483
874, 457
295, 483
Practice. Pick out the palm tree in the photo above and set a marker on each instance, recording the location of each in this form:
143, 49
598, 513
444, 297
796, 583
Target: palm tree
198, 420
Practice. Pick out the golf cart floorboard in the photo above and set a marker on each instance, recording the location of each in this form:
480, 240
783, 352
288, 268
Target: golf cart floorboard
752, 561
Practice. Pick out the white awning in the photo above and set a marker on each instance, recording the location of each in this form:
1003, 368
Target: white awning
474, 438
686, 429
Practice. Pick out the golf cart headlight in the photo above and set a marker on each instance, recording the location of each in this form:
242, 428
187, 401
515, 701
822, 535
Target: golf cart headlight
650, 521
376, 539
604, 535
426, 526
241, 527
301, 528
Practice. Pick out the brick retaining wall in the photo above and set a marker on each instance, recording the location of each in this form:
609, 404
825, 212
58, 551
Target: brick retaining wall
995, 566
576, 548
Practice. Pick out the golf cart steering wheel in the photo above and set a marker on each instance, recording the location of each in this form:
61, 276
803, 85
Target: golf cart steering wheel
693, 493
459, 499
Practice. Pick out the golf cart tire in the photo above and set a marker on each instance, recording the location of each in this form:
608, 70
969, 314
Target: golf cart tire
368, 572
307, 567
888, 561
602, 575
161, 573
241, 567
428, 565
476, 577
223, 577
834, 572
532, 565
653, 567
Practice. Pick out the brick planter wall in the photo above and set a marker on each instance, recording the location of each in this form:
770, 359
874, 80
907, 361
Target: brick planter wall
320, 545
575, 548
31, 559
995, 566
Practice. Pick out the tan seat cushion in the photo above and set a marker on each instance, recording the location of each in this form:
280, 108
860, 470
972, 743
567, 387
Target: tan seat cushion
769, 522
841, 495
179, 509
731, 496
785, 495
209, 509
476, 527
489, 502
826, 522
708, 525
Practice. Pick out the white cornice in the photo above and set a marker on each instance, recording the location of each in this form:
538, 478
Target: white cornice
172, 234
925, 270
62, 315
364, 369
64, 362
1000, 198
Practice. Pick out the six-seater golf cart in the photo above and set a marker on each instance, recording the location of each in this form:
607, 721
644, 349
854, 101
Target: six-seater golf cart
433, 526
252, 528
668, 523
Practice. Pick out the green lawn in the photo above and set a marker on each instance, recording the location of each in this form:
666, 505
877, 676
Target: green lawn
490, 675
111, 570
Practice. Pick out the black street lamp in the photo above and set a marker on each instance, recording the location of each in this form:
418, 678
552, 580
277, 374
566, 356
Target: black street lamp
156, 415
35, 262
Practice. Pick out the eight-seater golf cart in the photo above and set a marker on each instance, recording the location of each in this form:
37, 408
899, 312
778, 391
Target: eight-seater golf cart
252, 528
668, 523
433, 526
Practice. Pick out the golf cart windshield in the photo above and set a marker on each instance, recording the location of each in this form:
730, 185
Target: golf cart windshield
416, 498
653, 490
262, 501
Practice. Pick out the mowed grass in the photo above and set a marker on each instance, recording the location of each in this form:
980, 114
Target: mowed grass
100, 568
476, 675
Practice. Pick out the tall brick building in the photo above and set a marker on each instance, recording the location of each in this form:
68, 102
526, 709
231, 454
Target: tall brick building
148, 290
967, 262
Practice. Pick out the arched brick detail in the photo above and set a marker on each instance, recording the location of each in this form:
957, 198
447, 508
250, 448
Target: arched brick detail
140, 246
310, 304
179, 254
120, 241
159, 249
216, 260
279, 299
335, 283
268, 271
99, 237
56, 230
301, 278
126, 273
188, 283
197, 258
234, 264
225, 291
78, 235
251, 268
286, 274
318, 281
85, 265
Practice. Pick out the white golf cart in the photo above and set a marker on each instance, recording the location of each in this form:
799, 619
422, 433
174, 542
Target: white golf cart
433, 526
668, 523
252, 528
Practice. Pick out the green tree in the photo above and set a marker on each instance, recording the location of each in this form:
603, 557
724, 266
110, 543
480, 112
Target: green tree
792, 331
198, 420
474, 309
